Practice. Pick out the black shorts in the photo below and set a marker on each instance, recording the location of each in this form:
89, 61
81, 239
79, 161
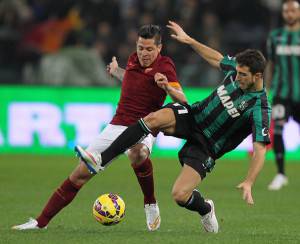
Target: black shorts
282, 109
194, 152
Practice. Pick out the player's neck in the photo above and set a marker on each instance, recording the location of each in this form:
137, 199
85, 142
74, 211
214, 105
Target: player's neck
257, 87
294, 27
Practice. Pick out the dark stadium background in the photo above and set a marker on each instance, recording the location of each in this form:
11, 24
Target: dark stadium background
34, 34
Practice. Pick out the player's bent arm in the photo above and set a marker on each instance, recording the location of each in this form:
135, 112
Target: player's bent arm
257, 162
212, 56
269, 74
176, 93
173, 89
119, 73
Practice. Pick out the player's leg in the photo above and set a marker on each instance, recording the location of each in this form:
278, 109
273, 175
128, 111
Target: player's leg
196, 163
139, 156
161, 120
67, 191
60, 198
64, 194
280, 113
185, 194
142, 166
279, 148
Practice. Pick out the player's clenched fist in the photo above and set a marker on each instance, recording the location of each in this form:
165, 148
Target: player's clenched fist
161, 80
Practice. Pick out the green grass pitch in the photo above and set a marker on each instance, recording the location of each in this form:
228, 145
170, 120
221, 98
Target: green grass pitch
26, 183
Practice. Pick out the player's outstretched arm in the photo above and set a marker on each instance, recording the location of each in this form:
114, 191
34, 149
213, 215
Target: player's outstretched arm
213, 57
114, 70
256, 164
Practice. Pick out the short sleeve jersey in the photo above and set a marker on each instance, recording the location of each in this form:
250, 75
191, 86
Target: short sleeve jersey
140, 95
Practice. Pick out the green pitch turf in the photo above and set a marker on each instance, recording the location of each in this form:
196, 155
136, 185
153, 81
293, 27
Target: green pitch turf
26, 182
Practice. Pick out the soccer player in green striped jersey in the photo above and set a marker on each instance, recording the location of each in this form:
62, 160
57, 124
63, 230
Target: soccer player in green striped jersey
284, 71
212, 127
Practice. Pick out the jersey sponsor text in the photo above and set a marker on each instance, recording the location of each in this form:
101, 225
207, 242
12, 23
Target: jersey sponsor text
227, 103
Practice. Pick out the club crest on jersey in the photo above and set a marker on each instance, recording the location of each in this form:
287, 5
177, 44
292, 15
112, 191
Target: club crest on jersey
265, 132
243, 105
226, 101
147, 70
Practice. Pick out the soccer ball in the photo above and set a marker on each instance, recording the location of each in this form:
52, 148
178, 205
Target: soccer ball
109, 209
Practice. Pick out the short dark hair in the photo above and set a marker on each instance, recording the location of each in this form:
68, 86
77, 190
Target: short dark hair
253, 59
288, 1
151, 31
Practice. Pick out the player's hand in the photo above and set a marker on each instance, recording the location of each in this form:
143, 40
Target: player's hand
112, 67
247, 195
161, 81
179, 33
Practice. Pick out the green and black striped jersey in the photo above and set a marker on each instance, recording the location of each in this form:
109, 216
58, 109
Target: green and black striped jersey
229, 114
283, 48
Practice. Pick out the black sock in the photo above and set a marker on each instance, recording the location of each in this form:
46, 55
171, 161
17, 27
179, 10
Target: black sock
196, 203
132, 135
279, 149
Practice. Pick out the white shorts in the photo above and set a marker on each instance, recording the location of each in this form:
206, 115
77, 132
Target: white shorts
109, 134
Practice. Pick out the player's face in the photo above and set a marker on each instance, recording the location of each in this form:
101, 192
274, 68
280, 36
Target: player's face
291, 12
147, 51
245, 78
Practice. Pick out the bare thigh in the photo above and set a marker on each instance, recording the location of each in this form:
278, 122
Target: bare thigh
162, 120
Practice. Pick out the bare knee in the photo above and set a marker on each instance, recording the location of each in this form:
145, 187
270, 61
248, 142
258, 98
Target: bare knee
180, 196
138, 153
80, 175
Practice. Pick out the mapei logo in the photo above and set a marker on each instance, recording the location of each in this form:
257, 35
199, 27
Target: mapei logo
227, 103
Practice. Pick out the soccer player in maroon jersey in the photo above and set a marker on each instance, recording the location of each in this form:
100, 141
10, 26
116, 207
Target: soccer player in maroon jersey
140, 95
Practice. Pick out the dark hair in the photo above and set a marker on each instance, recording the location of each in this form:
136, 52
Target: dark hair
253, 59
151, 31
288, 1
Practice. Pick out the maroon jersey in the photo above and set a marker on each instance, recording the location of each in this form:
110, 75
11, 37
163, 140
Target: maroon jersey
140, 94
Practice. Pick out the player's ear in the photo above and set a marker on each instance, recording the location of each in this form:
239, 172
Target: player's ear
159, 47
258, 76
